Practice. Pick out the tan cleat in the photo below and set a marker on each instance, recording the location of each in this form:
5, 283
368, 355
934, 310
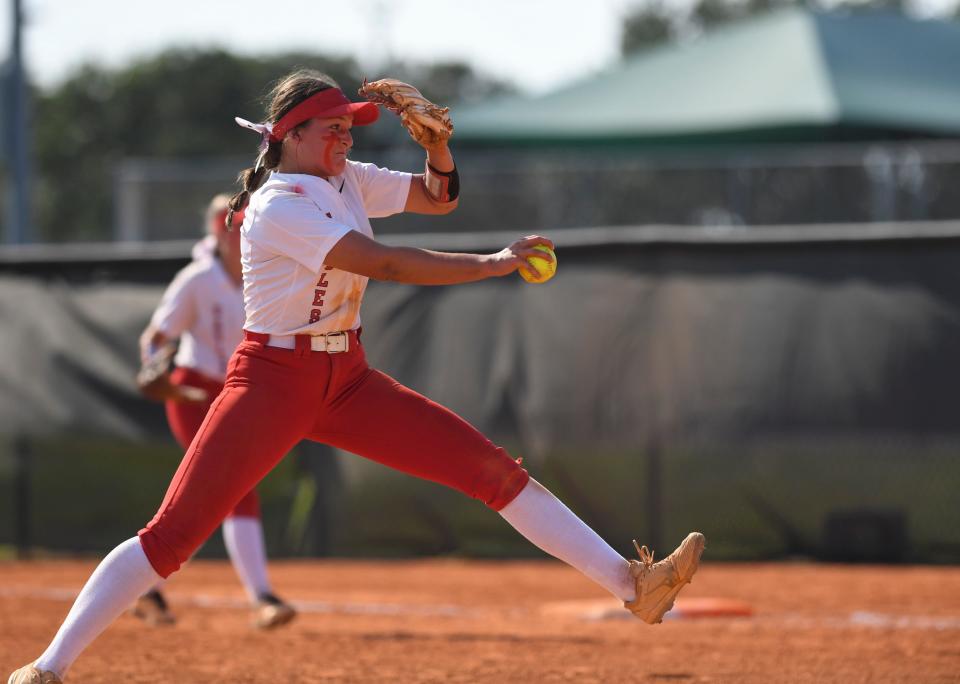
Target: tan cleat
28, 674
272, 612
152, 608
659, 583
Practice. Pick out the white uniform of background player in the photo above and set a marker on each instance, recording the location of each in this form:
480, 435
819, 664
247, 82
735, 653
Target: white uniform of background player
203, 308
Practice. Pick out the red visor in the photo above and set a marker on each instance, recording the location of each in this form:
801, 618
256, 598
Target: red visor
326, 104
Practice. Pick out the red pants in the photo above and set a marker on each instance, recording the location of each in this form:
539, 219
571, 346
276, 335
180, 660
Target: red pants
274, 397
186, 417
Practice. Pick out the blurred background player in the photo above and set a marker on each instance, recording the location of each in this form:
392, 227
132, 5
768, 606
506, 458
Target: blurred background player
203, 309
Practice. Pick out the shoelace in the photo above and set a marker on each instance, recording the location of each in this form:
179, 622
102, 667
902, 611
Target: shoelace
645, 554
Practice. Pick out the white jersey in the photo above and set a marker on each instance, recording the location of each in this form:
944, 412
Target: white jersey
290, 225
203, 307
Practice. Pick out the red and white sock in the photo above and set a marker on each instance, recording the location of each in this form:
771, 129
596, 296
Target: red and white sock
543, 519
118, 581
243, 537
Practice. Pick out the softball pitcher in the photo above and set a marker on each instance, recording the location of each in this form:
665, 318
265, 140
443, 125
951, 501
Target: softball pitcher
203, 308
308, 251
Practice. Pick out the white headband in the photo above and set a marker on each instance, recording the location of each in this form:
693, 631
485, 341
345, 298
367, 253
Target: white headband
264, 129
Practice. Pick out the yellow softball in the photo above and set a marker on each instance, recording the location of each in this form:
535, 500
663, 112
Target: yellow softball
545, 269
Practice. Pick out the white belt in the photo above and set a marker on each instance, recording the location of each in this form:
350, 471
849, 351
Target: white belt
332, 343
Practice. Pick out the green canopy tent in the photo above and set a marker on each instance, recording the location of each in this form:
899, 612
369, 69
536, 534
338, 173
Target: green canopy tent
790, 75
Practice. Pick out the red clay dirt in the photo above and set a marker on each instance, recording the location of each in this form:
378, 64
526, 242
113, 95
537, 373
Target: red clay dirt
531, 622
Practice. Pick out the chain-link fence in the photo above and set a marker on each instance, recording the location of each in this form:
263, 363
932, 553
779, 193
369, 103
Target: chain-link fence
545, 189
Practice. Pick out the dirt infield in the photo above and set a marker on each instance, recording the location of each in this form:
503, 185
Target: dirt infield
460, 621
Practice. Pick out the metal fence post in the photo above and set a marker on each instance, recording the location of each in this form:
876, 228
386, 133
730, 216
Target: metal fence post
21, 497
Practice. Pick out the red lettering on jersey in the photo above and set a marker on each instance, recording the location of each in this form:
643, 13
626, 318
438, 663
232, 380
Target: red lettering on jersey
318, 296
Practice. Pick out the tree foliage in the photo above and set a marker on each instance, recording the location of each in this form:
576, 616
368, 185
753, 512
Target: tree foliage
180, 103
648, 25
